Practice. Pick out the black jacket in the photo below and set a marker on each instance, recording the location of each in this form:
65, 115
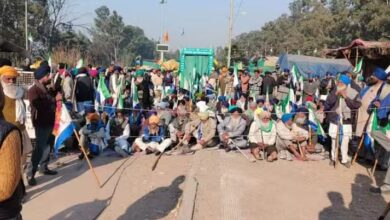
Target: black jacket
84, 89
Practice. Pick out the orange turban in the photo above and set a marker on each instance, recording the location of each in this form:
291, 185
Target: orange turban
8, 71
93, 117
154, 119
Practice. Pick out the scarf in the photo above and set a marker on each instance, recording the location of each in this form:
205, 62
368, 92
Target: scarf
265, 128
15, 92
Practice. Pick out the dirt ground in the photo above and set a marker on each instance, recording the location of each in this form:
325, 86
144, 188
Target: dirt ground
229, 187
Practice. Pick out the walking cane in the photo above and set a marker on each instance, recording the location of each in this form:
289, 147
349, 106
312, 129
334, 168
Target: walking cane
159, 156
86, 157
262, 139
239, 150
360, 143
336, 153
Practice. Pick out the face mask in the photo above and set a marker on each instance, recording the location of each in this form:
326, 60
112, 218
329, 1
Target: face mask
119, 120
300, 120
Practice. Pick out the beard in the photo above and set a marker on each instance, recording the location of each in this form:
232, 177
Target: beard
371, 81
341, 88
12, 90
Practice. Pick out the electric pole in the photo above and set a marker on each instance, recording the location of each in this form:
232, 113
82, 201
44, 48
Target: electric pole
230, 33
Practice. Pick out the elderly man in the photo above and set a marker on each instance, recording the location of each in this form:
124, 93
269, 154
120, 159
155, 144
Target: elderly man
367, 95
43, 106
119, 130
339, 105
92, 135
202, 129
14, 110
290, 138
262, 136
154, 138
231, 130
11, 184
177, 126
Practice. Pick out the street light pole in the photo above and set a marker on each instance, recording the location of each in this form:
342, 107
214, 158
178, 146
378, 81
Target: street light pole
230, 33
26, 22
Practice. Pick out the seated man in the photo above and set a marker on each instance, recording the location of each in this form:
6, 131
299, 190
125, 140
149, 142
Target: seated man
119, 130
262, 136
202, 129
153, 139
92, 135
301, 121
177, 126
290, 138
231, 130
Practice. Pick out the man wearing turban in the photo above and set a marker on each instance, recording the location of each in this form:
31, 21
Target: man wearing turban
340, 105
14, 110
367, 95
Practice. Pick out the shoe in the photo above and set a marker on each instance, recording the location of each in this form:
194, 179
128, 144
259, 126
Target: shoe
50, 172
376, 190
347, 164
32, 181
81, 156
121, 152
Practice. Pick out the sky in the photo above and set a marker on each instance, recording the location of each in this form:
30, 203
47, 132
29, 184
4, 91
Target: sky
204, 22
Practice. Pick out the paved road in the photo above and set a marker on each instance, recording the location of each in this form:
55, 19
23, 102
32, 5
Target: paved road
229, 187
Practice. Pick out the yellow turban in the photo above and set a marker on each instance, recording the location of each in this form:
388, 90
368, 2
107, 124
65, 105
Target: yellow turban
154, 119
8, 71
262, 114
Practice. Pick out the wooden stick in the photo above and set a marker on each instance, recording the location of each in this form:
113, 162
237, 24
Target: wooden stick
86, 157
300, 150
310, 135
177, 145
374, 168
336, 153
357, 151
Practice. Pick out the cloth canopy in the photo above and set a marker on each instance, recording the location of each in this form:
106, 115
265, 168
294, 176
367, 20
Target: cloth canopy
314, 66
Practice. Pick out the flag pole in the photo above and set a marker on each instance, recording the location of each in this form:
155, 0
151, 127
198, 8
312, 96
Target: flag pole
86, 157
26, 22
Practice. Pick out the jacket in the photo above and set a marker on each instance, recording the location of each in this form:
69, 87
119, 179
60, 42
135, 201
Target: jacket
234, 131
208, 128
84, 90
42, 105
332, 104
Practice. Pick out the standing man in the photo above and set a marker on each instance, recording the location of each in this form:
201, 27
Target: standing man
255, 84
339, 105
11, 184
83, 91
368, 94
14, 110
43, 106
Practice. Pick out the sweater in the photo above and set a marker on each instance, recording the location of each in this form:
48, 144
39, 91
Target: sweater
11, 186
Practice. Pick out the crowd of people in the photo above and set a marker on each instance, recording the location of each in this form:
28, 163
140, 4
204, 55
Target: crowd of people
129, 110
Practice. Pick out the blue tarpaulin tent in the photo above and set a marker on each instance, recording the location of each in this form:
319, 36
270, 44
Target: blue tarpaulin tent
314, 66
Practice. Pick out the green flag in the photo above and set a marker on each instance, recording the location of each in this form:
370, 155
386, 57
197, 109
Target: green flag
358, 67
103, 91
30, 37
80, 64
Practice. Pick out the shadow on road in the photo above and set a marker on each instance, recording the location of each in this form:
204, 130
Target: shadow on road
364, 205
66, 173
157, 203
88, 210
